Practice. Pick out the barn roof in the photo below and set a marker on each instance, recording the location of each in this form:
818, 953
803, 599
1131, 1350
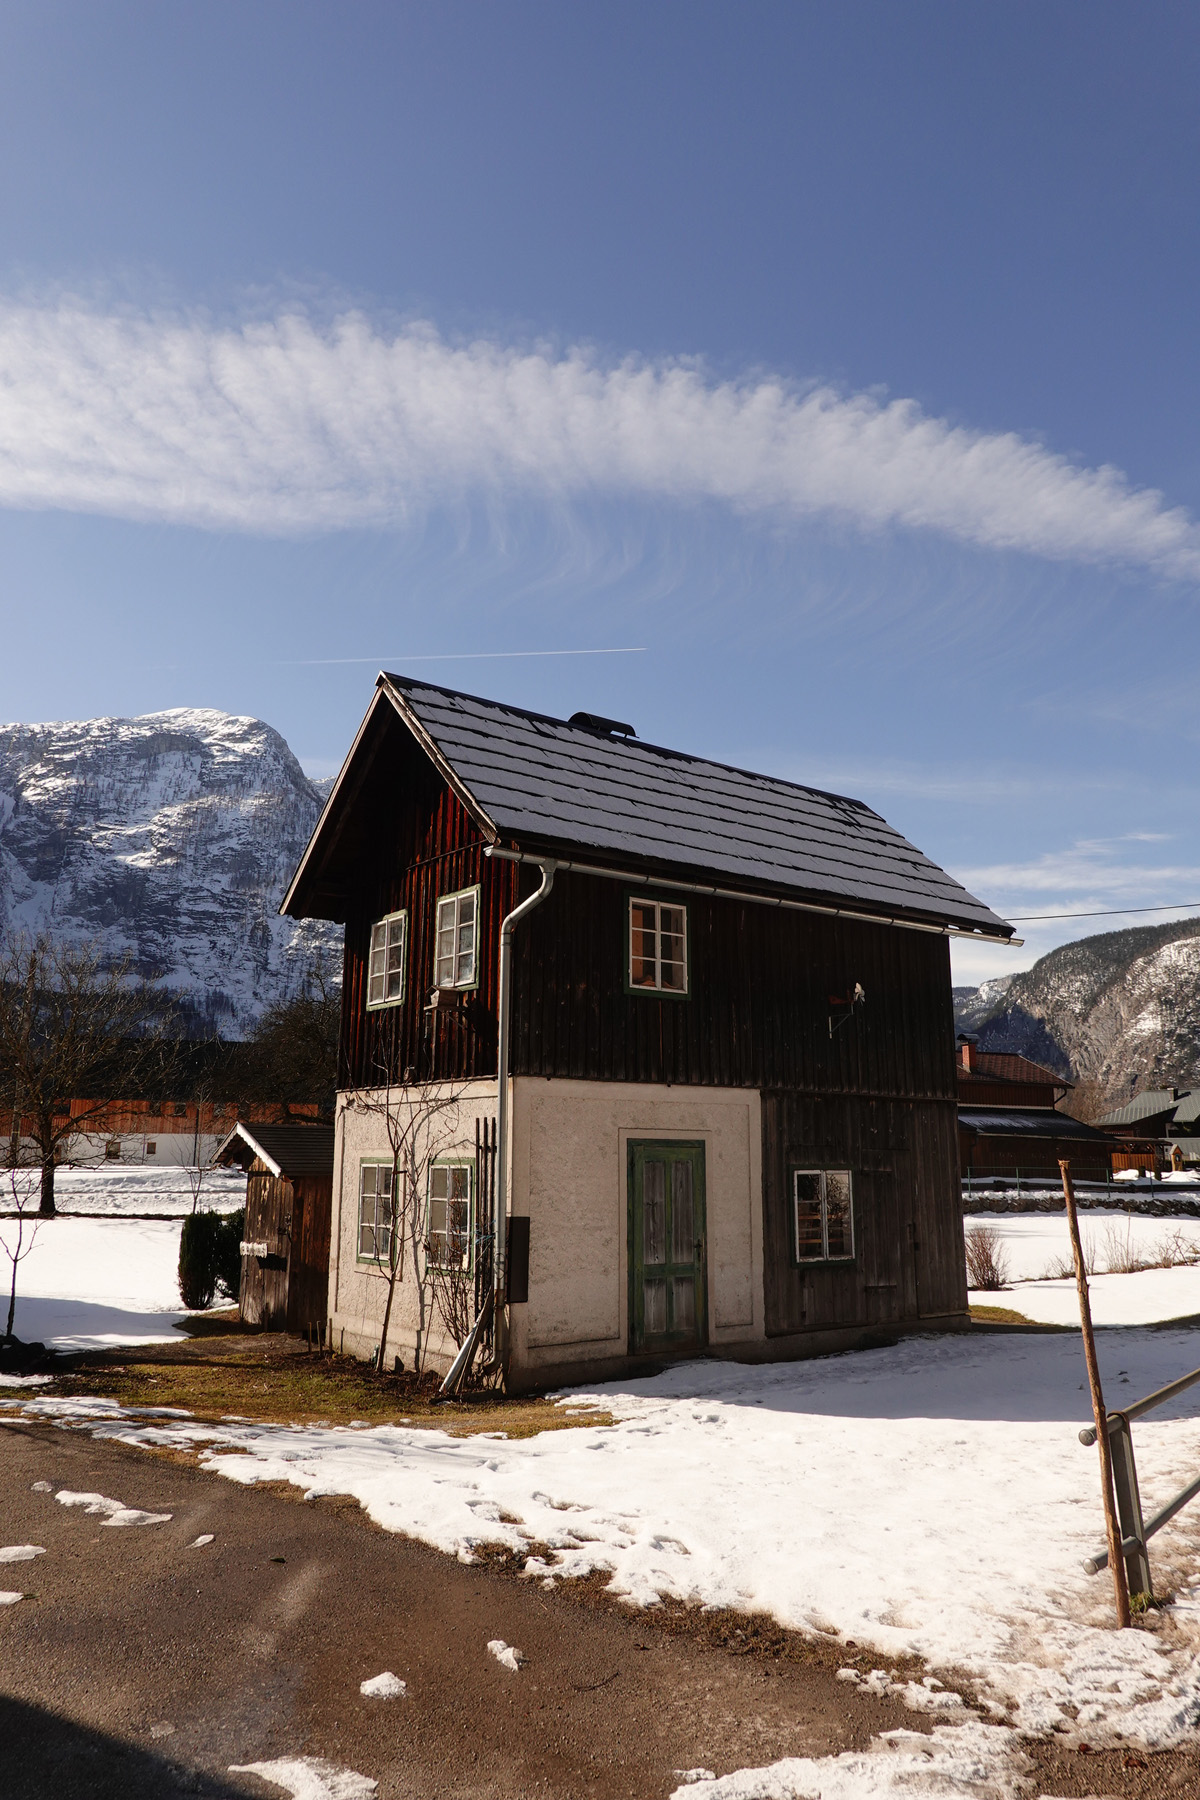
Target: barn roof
550, 785
1040, 1122
1149, 1104
288, 1150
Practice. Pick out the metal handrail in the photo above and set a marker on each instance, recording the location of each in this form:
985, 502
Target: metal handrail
1159, 1397
1136, 1534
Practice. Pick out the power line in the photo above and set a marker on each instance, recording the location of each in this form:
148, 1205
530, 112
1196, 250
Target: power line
1112, 911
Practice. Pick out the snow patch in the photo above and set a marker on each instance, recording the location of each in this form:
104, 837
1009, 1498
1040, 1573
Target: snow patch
507, 1654
311, 1778
954, 1762
383, 1687
8, 1598
948, 1508
206, 1537
21, 1552
116, 1510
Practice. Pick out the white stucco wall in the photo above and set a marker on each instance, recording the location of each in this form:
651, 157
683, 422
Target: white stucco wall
568, 1173
569, 1161
358, 1290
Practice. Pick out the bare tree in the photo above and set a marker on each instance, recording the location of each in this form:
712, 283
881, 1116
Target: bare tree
73, 1029
422, 1125
17, 1235
291, 1057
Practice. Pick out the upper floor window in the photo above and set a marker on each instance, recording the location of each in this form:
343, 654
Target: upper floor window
385, 978
822, 1215
658, 946
457, 939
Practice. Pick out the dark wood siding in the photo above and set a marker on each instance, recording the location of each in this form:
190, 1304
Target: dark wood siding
286, 1290
759, 1006
908, 1260
422, 844
761, 980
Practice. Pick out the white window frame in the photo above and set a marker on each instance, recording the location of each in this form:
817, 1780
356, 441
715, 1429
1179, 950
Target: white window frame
394, 929
644, 987
455, 978
841, 1256
381, 1253
467, 1264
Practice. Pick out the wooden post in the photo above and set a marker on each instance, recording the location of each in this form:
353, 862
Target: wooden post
1116, 1559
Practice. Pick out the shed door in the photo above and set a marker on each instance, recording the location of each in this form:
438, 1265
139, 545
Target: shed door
668, 1302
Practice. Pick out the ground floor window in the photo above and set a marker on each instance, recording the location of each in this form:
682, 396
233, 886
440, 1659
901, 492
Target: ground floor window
450, 1221
822, 1215
376, 1212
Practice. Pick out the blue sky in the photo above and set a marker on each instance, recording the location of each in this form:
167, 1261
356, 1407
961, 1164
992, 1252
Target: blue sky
838, 362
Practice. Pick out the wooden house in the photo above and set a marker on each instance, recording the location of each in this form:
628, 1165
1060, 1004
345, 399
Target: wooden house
1009, 1124
704, 1016
285, 1244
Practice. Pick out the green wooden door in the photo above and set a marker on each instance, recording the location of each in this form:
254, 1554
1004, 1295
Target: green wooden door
668, 1301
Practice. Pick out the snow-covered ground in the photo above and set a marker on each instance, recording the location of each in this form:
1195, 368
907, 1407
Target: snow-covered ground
932, 1498
1034, 1243
90, 1283
110, 1191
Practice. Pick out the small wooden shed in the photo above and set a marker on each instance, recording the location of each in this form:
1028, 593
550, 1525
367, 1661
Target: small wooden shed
289, 1202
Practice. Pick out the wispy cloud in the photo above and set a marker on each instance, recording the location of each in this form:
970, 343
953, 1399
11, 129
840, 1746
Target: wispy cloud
284, 426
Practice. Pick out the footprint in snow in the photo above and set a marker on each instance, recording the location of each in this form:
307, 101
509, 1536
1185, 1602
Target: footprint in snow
507, 1654
311, 1778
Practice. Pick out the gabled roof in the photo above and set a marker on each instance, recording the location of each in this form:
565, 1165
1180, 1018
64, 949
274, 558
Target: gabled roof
287, 1150
1003, 1065
545, 785
1147, 1105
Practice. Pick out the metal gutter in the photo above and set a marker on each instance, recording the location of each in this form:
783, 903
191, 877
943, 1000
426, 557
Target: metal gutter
641, 879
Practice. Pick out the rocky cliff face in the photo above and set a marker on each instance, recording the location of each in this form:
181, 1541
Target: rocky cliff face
169, 839
1120, 1011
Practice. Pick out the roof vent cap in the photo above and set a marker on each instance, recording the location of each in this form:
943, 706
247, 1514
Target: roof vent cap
594, 722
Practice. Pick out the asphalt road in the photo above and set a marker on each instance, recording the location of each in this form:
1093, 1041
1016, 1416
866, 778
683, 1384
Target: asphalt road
138, 1668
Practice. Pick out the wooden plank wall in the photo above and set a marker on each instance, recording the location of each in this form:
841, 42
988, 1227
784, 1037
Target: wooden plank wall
907, 1217
288, 1288
759, 1005
425, 845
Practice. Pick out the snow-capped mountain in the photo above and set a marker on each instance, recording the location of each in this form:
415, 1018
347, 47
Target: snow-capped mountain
169, 839
1119, 1011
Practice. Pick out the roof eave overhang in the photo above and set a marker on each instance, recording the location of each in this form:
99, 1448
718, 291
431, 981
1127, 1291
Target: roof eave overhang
240, 1135
306, 878
653, 872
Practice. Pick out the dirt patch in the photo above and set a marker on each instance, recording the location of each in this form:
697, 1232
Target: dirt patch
224, 1371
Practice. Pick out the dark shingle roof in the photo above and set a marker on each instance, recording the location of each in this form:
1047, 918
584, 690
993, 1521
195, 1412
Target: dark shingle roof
294, 1149
1034, 1123
544, 783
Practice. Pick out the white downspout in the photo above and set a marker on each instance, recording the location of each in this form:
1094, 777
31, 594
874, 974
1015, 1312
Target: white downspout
500, 1217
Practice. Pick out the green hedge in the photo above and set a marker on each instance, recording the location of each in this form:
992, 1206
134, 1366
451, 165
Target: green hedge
210, 1260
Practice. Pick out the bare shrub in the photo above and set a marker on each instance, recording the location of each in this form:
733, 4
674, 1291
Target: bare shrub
1120, 1257
987, 1259
1175, 1250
